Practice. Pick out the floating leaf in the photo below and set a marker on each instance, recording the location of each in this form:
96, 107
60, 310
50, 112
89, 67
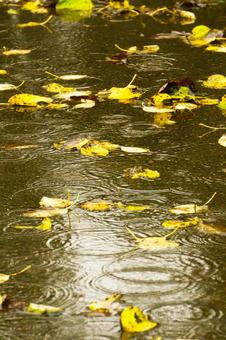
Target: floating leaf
185, 106
15, 52
45, 225
56, 106
34, 7
181, 224
47, 202
73, 144
98, 205
123, 93
68, 76
131, 149
6, 277
42, 309
163, 118
135, 49
58, 88
3, 298
27, 99
155, 109
46, 212
3, 72
34, 23
218, 45
20, 147
133, 208
212, 229
78, 5
139, 172
7, 86
222, 140
203, 35
70, 95
189, 209
134, 320
222, 104
215, 81
97, 148
105, 306
85, 104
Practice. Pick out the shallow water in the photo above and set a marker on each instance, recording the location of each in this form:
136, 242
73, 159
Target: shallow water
183, 289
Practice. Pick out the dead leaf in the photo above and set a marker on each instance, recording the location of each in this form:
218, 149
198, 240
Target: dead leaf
42, 309
3, 72
27, 99
133, 320
6, 277
222, 140
176, 224
189, 209
98, 205
139, 172
106, 306
58, 88
131, 149
15, 52
215, 81
46, 212
48, 202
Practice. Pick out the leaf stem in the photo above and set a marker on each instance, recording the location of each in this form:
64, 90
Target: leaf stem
134, 77
210, 199
21, 271
132, 233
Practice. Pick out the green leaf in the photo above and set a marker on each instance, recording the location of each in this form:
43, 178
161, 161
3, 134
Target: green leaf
74, 5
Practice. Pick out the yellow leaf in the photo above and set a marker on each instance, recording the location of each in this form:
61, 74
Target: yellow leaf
131, 149
27, 99
163, 118
45, 225
85, 104
34, 7
181, 224
73, 144
216, 81
156, 109
3, 72
105, 305
42, 309
138, 172
222, 140
162, 99
133, 207
123, 93
47, 202
15, 52
6, 277
185, 106
200, 31
217, 48
70, 95
58, 88
97, 148
206, 101
56, 106
98, 205
189, 209
135, 50
134, 320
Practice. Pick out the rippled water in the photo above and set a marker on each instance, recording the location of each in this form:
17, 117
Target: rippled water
94, 256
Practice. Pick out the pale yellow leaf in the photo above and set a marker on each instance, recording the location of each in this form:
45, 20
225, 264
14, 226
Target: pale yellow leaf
14, 52
104, 306
172, 224
42, 309
48, 202
58, 88
98, 205
189, 209
85, 104
222, 140
45, 225
131, 149
46, 212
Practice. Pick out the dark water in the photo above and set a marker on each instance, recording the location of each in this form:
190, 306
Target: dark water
183, 289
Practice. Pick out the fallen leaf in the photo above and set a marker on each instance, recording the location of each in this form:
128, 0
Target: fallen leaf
133, 208
58, 88
131, 149
139, 172
56, 106
14, 52
134, 320
189, 209
27, 99
123, 93
215, 81
85, 104
218, 45
45, 225
78, 5
163, 118
6, 277
73, 144
222, 103
68, 76
7, 86
97, 148
98, 205
3, 72
202, 35
222, 140
42, 309
172, 224
20, 147
3, 298
46, 212
34, 7
212, 229
70, 95
185, 106
105, 306
48, 202
155, 109
135, 49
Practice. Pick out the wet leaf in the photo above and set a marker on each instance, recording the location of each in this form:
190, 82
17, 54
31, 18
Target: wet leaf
189, 209
48, 202
131, 149
68, 76
14, 52
42, 309
3, 298
85, 104
20, 147
45, 225
70, 95
172, 224
105, 306
34, 23
27, 99
56, 106
133, 319
78, 5
139, 172
73, 144
46, 212
6, 277
34, 7
163, 118
136, 50
7, 86
222, 140
98, 205
185, 106
123, 93
156, 109
222, 104
220, 47
162, 99
215, 81
97, 148
206, 101
156, 243
3, 72
202, 35
133, 208
58, 88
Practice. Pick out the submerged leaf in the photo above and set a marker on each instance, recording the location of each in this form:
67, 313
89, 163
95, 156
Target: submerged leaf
45, 225
47, 202
27, 99
134, 320
42, 309
46, 212
105, 306
181, 224
189, 209
216, 81
58, 88
222, 140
